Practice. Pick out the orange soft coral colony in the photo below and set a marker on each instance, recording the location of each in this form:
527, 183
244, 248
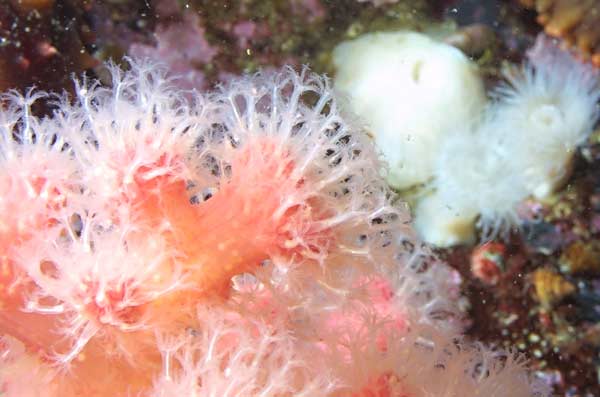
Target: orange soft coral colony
135, 168
241, 244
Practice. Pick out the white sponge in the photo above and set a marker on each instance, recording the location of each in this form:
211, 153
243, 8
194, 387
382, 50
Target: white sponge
409, 89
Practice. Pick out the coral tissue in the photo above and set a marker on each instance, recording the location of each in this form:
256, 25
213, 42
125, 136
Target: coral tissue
238, 243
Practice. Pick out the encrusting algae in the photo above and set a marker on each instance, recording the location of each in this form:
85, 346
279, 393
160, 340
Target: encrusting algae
577, 22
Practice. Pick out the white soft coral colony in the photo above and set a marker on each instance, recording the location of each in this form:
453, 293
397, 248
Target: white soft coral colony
522, 146
239, 243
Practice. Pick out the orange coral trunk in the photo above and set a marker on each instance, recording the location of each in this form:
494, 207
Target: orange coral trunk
236, 229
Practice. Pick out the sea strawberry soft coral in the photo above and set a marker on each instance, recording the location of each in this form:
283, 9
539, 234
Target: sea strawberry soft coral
238, 243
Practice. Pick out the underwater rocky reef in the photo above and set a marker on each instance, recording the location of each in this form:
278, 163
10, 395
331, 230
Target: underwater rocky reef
299, 198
